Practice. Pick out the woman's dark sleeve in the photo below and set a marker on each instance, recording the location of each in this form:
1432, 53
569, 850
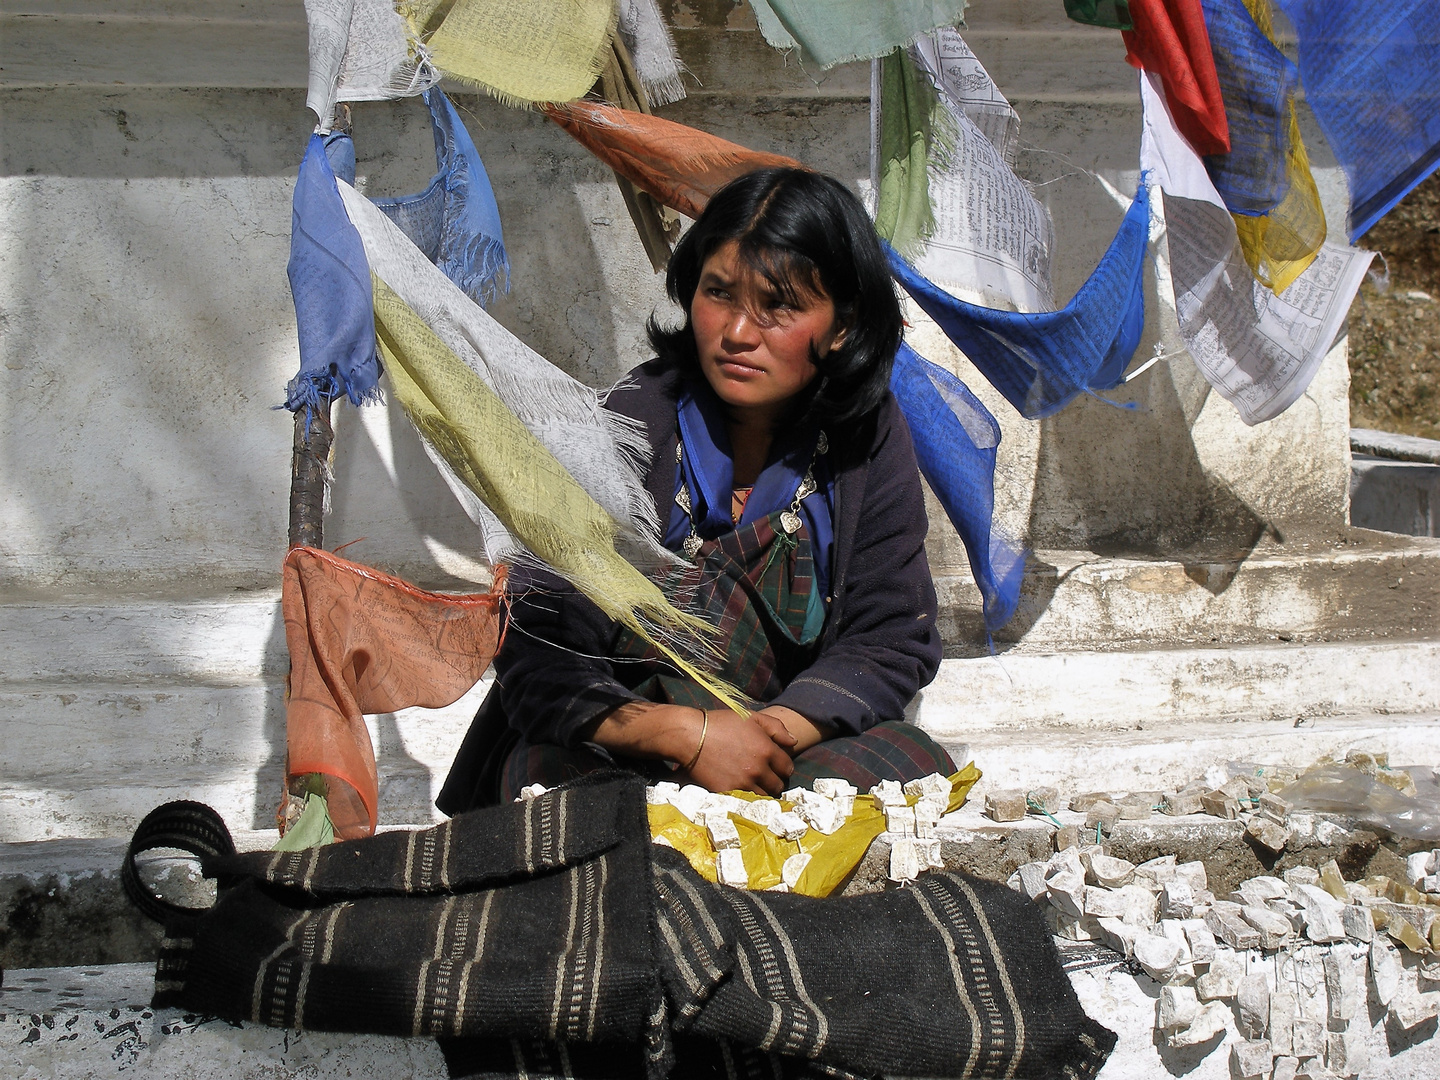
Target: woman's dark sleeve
885, 644
551, 672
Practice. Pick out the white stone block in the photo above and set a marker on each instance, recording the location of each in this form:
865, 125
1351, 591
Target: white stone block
659, 794
934, 784
723, 833
790, 826
793, 867
1385, 969
1118, 935
1342, 987
1178, 1007
1066, 861
929, 849
1285, 1068
1177, 900
1274, 929
1109, 872
1207, 1025
1193, 874
1346, 1053
730, 868
833, 787
1140, 905
1200, 940
1418, 865
1324, 921
1067, 893
1159, 956
1172, 929
532, 791
1252, 1057
1283, 1013
1222, 981
1308, 1038
904, 860
1158, 870
900, 820
1302, 875
794, 794
763, 812
822, 814
1357, 922
889, 793
1104, 903
1032, 880
1252, 1005
689, 800
1232, 929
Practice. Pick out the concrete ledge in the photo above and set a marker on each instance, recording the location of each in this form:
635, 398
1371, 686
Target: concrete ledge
96, 1024
1395, 495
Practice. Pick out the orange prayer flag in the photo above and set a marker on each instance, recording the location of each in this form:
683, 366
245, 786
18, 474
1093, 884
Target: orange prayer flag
679, 166
362, 641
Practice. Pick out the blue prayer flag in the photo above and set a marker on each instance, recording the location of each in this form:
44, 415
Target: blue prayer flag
1040, 361
455, 221
330, 283
1257, 83
955, 443
1371, 73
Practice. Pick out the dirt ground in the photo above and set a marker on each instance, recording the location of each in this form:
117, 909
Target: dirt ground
1395, 336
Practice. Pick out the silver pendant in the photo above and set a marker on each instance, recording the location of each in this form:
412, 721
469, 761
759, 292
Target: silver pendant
691, 545
682, 499
822, 444
790, 522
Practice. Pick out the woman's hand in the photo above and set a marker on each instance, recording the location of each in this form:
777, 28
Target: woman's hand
746, 754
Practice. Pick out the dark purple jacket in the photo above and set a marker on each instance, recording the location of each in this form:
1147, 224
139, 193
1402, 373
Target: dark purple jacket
880, 644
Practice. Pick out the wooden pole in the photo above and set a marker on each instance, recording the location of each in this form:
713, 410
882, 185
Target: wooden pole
309, 466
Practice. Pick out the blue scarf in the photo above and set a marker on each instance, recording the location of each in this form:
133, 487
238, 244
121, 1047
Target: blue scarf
330, 283
1370, 72
1042, 361
955, 442
455, 221
708, 469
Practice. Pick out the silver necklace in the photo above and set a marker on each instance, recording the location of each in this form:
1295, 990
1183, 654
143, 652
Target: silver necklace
789, 518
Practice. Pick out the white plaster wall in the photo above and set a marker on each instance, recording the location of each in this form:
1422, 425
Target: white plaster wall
147, 326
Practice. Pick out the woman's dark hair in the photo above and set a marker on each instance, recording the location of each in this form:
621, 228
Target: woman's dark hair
802, 231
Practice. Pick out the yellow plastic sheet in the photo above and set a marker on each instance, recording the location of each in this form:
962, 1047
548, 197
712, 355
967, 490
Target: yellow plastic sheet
832, 857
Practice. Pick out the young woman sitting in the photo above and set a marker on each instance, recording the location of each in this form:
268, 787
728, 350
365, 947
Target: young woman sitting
787, 476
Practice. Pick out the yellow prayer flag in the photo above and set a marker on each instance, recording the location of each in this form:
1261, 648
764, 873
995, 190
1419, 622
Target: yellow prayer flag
523, 53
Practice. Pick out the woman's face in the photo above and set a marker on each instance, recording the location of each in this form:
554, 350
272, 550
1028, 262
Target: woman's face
755, 348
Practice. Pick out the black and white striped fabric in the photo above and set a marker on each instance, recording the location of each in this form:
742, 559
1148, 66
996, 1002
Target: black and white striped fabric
549, 939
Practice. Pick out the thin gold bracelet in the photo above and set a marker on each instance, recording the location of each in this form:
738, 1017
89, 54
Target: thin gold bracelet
704, 730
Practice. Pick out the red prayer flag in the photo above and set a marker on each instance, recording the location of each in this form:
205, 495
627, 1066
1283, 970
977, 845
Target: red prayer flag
1170, 39
679, 166
362, 641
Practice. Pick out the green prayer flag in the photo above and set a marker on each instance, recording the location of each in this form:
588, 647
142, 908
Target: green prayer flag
835, 31
1112, 13
312, 828
912, 132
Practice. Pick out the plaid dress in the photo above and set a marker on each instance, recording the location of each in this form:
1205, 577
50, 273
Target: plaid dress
757, 585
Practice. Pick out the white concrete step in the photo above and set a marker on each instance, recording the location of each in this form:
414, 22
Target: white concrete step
90, 758
96, 1024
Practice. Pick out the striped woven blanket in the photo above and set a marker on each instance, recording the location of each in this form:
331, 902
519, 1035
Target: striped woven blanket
549, 938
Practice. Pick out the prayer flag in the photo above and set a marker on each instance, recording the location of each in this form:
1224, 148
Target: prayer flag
834, 31
1260, 350
909, 137
652, 51
1041, 361
956, 440
455, 221
680, 166
1170, 39
329, 281
522, 53
531, 492
1112, 13
600, 449
1265, 179
361, 50
1372, 77
362, 642
991, 240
